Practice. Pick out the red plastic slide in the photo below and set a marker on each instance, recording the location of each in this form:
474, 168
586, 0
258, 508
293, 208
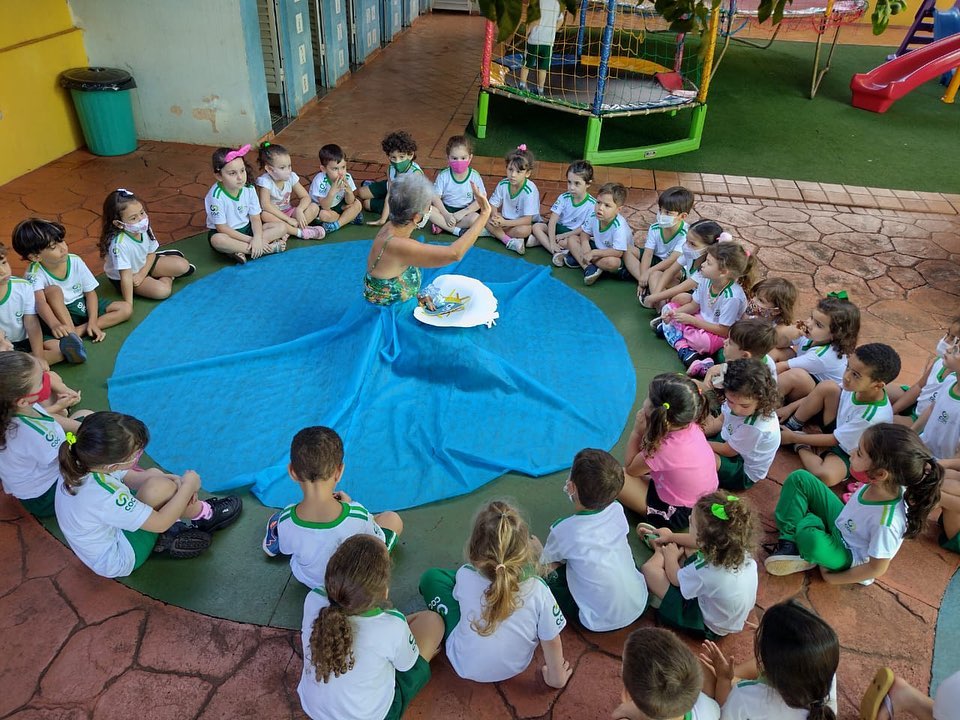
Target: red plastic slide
878, 89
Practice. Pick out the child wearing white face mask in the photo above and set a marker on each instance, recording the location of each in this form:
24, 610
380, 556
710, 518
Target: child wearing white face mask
664, 242
282, 197
132, 258
909, 402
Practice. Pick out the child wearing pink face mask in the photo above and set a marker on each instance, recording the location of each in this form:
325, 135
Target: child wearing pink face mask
455, 204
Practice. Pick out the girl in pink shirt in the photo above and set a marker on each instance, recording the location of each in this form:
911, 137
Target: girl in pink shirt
668, 447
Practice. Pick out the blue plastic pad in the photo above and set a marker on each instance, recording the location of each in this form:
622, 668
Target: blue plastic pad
226, 371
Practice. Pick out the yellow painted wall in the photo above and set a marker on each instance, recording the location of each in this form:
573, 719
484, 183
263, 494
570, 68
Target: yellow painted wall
904, 18
37, 122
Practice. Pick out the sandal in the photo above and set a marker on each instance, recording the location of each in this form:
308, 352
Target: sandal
648, 534
876, 695
240, 257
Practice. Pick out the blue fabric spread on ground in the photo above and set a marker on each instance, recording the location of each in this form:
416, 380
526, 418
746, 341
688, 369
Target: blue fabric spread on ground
226, 371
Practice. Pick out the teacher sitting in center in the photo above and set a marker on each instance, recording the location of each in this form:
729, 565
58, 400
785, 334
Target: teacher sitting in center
393, 266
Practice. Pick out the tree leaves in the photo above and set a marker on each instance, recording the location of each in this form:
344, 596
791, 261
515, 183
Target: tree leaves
507, 13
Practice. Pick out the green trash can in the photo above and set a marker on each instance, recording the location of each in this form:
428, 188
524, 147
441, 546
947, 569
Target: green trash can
102, 99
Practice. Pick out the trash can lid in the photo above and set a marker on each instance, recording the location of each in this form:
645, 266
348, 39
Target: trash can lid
96, 78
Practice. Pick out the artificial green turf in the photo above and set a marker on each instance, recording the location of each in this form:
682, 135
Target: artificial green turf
236, 580
761, 122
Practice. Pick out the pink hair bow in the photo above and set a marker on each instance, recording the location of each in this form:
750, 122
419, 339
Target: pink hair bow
725, 237
522, 147
234, 154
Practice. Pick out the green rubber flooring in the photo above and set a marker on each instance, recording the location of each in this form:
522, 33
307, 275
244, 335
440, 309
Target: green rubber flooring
235, 580
761, 122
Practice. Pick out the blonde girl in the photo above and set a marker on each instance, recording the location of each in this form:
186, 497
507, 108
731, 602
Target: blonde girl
362, 660
712, 592
678, 281
235, 222
515, 202
496, 609
697, 329
132, 258
774, 299
282, 197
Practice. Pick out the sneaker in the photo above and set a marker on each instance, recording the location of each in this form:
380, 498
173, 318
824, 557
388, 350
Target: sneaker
182, 542
313, 232
786, 560
358, 220
225, 511
532, 241
656, 323
570, 261
558, 258
271, 540
367, 182
435, 229
329, 227
191, 269
175, 253
658, 329
688, 356
698, 368
793, 424
71, 347
591, 274
523, 86
517, 245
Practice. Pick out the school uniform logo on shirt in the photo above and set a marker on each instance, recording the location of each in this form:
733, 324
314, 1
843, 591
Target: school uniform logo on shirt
18, 314
214, 209
944, 417
127, 502
558, 616
850, 525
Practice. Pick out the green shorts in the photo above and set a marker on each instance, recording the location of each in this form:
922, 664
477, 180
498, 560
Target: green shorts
436, 589
452, 209
557, 582
913, 408
406, 686
538, 56
245, 230
621, 272
842, 454
675, 610
78, 309
42, 506
951, 544
116, 283
378, 192
142, 543
390, 537
562, 229
731, 474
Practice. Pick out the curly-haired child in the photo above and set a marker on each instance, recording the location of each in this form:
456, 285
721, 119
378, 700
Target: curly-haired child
715, 589
401, 151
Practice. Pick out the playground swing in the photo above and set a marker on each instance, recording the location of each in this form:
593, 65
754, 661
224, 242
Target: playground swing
620, 60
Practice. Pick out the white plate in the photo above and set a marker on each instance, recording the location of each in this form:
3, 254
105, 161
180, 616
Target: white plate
480, 308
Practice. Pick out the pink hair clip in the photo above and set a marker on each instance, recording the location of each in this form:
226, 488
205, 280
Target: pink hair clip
234, 154
522, 147
746, 252
725, 237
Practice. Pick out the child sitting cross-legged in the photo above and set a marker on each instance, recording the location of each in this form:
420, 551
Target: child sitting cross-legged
662, 680
19, 323
595, 578
679, 279
311, 530
939, 425
282, 198
604, 237
401, 151
712, 592
856, 541
748, 338
861, 402
909, 402
362, 660
664, 241
793, 675
750, 434
568, 214
496, 609
334, 191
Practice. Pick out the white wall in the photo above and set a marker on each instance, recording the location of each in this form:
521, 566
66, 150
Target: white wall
197, 63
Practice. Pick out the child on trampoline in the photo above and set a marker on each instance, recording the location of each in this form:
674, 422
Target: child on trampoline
401, 151
454, 185
132, 258
568, 214
604, 238
664, 240
496, 609
311, 530
515, 202
539, 51
677, 281
335, 192
282, 197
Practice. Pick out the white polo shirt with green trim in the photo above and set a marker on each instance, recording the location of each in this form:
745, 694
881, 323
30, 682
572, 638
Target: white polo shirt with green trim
232, 210
725, 596
942, 432
312, 544
76, 281
722, 308
321, 187
853, 417
615, 235
525, 202
29, 463
382, 645
937, 376
93, 521
821, 361
601, 573
127, 252
754, 699
458, 193
755, 438
574, 215
17, 302
663, 246
871, 528
508, 650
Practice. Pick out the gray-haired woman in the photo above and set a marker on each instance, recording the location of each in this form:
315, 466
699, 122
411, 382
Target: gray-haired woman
393, 266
